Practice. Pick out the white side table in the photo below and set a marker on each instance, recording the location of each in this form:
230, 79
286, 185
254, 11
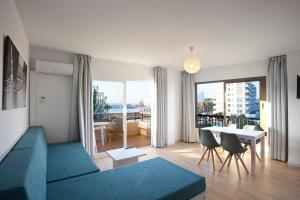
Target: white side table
125, 156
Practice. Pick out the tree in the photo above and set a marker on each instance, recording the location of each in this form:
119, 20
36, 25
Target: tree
206, 107
99, 101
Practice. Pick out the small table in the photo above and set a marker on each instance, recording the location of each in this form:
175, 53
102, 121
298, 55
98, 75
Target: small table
101, 126
125, 156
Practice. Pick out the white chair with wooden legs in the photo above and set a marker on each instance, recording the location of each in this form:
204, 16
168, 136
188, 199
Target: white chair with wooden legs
232, 144
208, 140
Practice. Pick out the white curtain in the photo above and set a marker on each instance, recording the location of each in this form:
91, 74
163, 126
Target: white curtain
81, 117
188, 108
73, 134
277, 96
159, 128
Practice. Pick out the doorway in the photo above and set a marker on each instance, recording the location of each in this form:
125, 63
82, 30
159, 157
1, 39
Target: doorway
122, 114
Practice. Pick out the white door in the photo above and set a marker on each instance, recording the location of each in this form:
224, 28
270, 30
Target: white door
53, 105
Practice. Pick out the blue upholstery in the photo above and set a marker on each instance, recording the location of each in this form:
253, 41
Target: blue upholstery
34, 170
66, 160
22, 177
151, 179
34, 138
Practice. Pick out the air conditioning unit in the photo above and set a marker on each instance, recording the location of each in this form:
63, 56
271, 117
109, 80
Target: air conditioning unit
49, 67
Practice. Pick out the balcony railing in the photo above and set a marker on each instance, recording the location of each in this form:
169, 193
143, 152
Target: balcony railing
220, 120
209, 120
102, 117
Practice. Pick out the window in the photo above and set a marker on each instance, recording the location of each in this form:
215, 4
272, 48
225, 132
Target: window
229, 101
210, 98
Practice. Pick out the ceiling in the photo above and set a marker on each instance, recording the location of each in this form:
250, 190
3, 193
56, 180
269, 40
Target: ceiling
159, 32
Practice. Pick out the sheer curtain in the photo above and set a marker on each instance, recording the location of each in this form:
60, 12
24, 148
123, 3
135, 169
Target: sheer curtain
81, 115
188, 108
159, 128
277, 96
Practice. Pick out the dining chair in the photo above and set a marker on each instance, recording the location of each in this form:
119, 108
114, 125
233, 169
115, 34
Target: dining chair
111, 129
232, 144
208, 140
248, 142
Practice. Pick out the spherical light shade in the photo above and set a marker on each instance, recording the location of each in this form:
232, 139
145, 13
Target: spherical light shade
192, 65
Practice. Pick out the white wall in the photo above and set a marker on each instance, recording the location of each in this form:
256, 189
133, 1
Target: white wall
52, 55
56, 127
53, 113
117, 70
293, 68
243, 70
13, 123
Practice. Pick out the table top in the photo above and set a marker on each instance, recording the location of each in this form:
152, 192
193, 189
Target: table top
252, 134
122, 153
101, 123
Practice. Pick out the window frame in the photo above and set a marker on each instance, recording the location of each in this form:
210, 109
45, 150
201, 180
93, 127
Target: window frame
262, 90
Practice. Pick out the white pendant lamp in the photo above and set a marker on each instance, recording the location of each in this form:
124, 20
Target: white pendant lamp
192, 64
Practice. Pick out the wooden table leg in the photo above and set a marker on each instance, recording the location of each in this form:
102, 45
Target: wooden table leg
253, 158
262, 151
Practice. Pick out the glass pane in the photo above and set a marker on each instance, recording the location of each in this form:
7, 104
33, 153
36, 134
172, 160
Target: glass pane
108, 101
210, 104
242, 103
139, 98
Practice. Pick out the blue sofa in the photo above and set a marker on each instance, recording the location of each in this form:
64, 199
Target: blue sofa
36, 170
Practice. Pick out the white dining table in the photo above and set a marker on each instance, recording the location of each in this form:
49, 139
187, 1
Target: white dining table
101, 126
251, 135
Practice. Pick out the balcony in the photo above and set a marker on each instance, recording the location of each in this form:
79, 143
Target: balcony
138, 130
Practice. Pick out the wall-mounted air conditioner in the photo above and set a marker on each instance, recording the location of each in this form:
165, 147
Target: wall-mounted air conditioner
48, 67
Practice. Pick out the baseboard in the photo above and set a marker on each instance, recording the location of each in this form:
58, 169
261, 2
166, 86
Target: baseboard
293, 164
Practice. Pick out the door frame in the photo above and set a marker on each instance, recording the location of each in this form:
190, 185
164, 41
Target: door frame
125, 131
124, 124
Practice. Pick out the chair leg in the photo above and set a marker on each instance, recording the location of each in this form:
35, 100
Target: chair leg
208, 154
224, 162
245, 146
203, 156
237, 165
213, 159
229, 160
243, 164
258, 156
218, 155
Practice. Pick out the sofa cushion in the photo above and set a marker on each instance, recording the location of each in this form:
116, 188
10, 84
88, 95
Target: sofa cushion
22, 177
67, 160
151, 179
34, 138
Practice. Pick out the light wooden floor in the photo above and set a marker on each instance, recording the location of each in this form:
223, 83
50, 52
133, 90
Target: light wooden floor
275, 181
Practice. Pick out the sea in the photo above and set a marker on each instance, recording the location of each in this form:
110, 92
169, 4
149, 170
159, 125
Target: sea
120, 110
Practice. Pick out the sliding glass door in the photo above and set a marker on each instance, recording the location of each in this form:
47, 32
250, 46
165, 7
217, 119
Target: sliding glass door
138, 95
122, 114
108, 101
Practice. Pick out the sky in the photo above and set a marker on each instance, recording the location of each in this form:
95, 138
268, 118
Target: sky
136, 90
